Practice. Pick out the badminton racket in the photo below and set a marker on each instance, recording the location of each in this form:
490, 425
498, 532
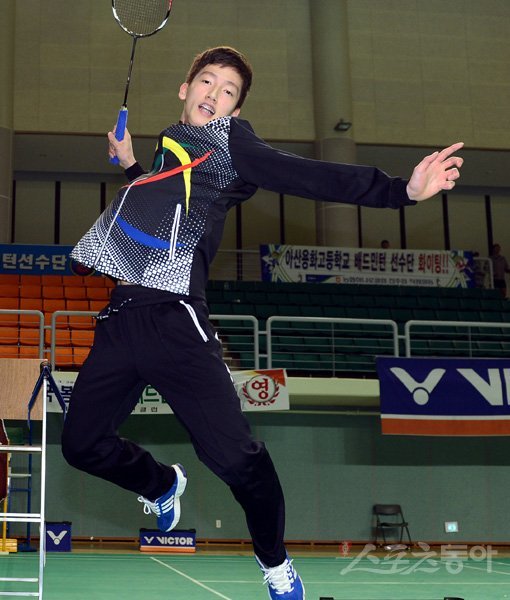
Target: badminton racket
138, 18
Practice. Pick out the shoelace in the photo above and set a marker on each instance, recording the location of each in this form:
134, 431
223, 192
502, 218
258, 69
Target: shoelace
281, 578
149, 506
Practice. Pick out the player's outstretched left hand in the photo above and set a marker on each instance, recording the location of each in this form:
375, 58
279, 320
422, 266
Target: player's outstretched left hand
434, 173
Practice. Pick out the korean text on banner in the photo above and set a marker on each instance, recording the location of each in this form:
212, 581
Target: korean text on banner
309, 264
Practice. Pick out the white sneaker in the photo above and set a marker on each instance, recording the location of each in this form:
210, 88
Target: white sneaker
283, 581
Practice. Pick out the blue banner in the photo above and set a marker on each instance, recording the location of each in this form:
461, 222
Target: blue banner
29, 259
432, 396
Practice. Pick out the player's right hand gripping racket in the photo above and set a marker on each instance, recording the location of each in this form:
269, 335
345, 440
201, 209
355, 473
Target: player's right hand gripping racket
139, 18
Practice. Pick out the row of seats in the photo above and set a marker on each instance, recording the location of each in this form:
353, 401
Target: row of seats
11, 336
355, 290
19, 334
48, 306
314, 363
54, 291
396, 303
301, 340
381, 300
44, 280
398, 314
356, 358
72, 341
65, 357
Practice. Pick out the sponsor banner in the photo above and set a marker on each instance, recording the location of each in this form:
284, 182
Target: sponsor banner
28, 259
453, 397
154, 540
58, 537
259, 391
309, 264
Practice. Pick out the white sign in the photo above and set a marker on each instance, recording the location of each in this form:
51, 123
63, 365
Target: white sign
258, 390
315, 264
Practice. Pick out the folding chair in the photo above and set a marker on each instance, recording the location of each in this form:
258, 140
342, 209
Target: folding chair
390, 518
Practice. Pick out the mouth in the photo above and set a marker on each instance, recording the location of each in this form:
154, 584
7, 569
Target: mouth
207, 109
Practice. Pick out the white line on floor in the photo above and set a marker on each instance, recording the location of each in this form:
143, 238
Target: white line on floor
386, 582
486, 569
190, 578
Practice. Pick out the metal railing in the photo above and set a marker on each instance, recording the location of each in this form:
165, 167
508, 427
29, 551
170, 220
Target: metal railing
457, 338
39, 328
315, 345
329, 345
83, 324
240, 338
245, 327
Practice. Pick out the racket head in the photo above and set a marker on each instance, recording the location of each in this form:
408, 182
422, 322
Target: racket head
141, 18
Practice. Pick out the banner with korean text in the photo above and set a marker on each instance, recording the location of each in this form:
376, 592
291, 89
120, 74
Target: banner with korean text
447, 396
259, 391
30, 259
317, 264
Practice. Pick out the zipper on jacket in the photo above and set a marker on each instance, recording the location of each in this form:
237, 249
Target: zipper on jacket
175, 231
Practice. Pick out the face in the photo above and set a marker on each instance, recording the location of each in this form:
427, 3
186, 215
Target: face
212, 94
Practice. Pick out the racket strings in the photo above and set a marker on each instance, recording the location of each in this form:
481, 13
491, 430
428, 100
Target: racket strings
141, 17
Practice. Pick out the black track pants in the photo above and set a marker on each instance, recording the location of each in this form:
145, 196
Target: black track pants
173, 347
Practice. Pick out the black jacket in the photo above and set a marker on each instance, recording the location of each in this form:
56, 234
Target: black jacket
163, 229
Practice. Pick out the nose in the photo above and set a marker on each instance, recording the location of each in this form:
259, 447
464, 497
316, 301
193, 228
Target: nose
212, 94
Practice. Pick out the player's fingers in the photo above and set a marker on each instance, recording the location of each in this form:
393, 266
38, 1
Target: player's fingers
453, 161
450, 150
426, 162
452, 174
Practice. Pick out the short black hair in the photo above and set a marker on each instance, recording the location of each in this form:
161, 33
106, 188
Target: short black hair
226, 57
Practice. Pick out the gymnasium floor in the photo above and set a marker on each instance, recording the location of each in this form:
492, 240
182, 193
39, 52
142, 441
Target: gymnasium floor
209, 575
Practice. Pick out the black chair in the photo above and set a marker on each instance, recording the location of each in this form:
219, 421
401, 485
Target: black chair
390, 518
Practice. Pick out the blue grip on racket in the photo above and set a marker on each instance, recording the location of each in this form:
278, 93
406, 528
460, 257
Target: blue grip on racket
120, 130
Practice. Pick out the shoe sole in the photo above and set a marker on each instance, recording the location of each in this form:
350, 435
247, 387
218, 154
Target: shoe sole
182, 480
302, 587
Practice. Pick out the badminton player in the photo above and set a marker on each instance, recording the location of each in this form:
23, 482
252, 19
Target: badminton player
157, 239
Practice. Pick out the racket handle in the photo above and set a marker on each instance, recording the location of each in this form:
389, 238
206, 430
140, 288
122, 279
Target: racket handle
120, 130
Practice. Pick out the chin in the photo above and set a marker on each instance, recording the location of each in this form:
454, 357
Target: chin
200, 121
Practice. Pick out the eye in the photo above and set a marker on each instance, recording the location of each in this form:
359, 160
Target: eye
205, 81
229, 92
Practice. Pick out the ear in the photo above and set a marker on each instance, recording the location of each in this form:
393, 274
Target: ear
183, 90
235, 112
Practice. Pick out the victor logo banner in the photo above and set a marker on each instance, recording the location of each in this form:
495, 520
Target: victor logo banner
453, 397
